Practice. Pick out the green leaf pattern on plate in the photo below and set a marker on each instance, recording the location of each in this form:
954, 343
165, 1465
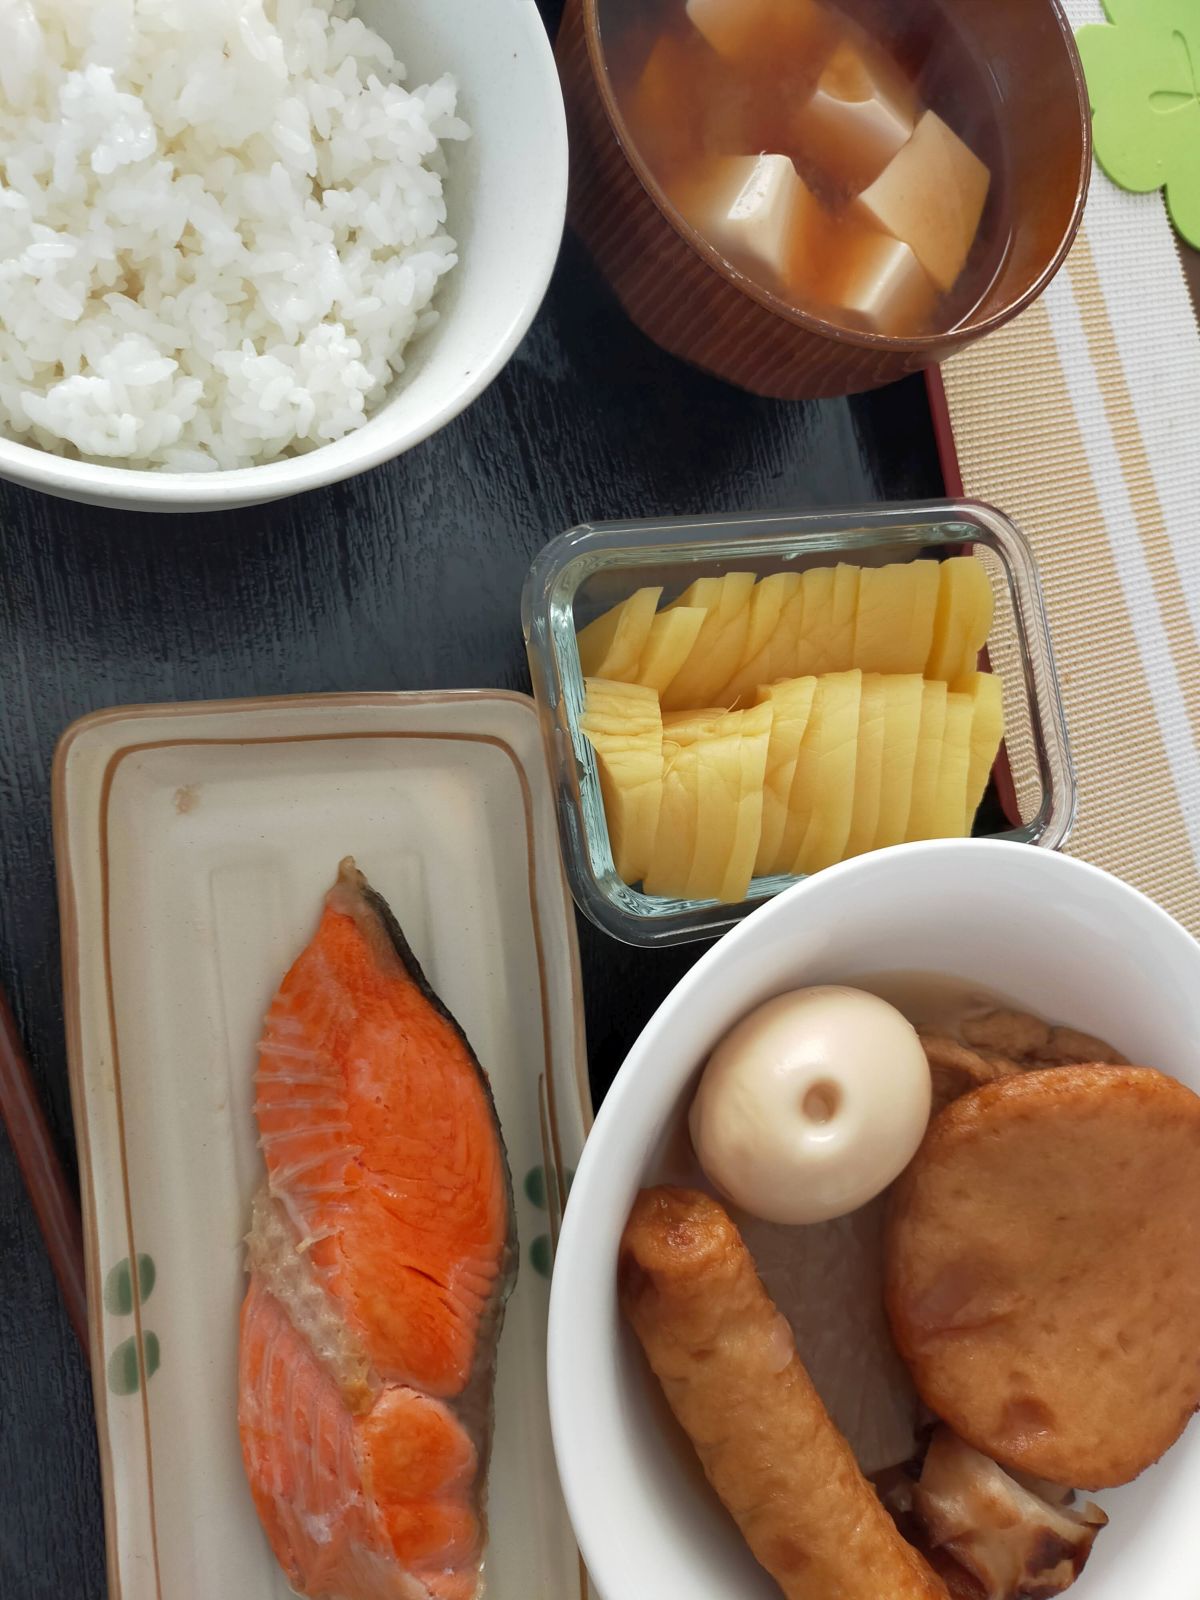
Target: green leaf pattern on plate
118, 1286
123, 1377
541, 1257
124, 1374
541, 1252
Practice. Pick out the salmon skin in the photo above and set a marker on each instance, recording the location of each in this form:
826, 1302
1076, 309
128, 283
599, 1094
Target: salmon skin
381, 1253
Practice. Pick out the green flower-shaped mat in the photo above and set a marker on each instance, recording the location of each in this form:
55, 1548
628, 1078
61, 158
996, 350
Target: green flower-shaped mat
1143, 74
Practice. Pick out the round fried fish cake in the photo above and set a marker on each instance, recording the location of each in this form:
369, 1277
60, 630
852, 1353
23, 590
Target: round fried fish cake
1043, 1270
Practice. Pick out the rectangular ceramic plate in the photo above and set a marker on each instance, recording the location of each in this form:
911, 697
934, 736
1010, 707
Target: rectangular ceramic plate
194, 845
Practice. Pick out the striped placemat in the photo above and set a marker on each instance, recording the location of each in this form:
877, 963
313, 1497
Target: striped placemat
1081, 419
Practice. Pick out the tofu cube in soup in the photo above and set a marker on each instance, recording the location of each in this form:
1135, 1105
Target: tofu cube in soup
755, 208
754, 30
931, 195
879, 283
861, 114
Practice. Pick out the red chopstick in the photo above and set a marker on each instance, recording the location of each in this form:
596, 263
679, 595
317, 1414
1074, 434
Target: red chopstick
54, 1204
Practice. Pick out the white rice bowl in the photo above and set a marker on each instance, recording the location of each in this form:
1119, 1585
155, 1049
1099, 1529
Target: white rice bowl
221, 224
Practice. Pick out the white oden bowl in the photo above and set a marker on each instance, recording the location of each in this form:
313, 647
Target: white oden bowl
506, 195
1070, 942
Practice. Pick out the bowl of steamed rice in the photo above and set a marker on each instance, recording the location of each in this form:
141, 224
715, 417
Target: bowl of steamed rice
249, 247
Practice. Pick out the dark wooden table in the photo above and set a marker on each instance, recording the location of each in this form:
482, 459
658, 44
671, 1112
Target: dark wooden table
407, 578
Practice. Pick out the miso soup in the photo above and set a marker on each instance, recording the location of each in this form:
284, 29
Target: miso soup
843, 156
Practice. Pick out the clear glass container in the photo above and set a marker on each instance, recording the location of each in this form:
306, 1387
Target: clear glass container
1031, 797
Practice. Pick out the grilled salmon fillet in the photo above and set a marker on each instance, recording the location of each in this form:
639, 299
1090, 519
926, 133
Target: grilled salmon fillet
381, 1253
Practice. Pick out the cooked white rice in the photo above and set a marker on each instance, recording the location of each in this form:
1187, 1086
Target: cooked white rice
221, 223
